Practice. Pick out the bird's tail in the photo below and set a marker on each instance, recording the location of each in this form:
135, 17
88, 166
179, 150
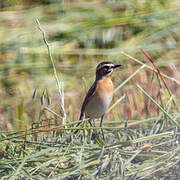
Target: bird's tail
77, 130
80, 118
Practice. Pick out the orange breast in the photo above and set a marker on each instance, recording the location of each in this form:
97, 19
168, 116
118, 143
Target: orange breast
105, 87
101, 99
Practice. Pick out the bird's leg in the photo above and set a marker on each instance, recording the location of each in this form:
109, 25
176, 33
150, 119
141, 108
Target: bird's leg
94, 131
101, 123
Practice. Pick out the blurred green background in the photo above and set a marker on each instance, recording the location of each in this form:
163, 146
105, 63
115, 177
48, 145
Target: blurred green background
81, 34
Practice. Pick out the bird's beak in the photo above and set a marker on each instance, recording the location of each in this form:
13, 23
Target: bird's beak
117, 66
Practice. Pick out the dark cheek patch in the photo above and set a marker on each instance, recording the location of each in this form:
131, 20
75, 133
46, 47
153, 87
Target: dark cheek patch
102, 72
105, 71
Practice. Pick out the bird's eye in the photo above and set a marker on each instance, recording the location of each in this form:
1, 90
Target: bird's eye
106, 67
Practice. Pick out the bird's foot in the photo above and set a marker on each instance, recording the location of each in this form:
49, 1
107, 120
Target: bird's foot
94, 135
97, 139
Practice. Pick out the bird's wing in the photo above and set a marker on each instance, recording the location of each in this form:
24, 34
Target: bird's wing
87, 98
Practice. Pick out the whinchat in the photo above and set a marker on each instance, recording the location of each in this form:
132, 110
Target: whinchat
100, 94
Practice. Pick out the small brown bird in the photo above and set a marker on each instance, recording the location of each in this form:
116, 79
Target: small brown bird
100, 94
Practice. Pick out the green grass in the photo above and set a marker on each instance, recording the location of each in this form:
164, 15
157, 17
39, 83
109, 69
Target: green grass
142, 124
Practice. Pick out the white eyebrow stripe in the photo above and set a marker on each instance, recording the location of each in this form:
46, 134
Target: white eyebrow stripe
110, 65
